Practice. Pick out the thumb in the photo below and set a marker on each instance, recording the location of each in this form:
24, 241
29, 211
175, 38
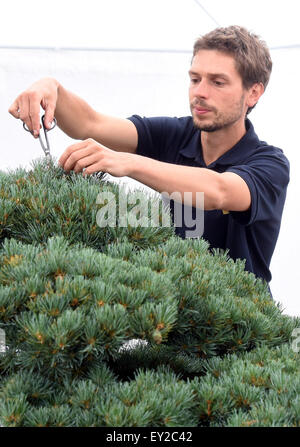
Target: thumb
49, 115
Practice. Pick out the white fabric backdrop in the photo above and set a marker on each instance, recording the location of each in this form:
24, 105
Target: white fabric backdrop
155, 84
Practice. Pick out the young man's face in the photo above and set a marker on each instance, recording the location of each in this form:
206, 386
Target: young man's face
217, 97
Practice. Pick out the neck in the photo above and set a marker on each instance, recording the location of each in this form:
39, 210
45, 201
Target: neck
215, 144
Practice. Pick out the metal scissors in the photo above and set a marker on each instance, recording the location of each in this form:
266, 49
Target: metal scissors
45, 147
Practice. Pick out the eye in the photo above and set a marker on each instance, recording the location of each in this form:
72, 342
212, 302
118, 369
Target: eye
194, 80
219, 83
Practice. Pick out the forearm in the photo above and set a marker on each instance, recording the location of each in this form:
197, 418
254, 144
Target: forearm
222, 191
80, 121
72, 113
170, 178
74, 116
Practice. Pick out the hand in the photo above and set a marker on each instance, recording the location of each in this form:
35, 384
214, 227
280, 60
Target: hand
91, 157
27, 105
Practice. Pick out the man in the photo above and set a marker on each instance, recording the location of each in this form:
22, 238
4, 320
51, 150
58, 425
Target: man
216, 151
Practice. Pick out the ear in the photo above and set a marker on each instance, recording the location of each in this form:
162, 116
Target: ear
254, 93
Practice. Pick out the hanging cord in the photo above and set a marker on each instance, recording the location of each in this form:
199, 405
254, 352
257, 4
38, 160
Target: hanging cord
207, 13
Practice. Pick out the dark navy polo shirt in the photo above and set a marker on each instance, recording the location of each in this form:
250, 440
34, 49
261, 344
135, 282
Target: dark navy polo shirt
251, 234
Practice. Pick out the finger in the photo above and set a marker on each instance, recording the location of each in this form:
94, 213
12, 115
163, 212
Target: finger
20, 109
34, 116
14, 109
73, 153
88, 163
24, 112
49, 114
91, 169
78, 160
69, 151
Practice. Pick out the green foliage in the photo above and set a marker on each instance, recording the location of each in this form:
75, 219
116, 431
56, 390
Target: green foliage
212, 348
45, 201
259, 388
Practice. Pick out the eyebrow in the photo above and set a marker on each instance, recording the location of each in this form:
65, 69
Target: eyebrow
212, 75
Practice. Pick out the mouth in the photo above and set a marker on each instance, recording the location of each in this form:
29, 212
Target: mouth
201, 110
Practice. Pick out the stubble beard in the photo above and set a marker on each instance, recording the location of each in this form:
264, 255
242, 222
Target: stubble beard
221, 120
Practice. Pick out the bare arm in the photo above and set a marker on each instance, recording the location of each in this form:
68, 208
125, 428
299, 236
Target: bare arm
225, 191
74, 116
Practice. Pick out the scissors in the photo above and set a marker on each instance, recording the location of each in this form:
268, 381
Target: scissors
45, 147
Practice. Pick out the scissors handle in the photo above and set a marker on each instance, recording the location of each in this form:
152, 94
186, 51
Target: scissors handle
53, 124
45, 147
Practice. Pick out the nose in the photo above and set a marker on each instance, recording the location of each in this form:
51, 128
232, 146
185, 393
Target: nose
201, 89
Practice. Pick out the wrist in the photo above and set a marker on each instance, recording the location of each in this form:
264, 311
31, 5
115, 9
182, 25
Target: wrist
134, 165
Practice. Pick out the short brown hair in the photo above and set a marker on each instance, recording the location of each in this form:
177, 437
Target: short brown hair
251, 54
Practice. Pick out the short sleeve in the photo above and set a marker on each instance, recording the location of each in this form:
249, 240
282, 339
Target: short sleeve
267, 177
162, 137
150, 135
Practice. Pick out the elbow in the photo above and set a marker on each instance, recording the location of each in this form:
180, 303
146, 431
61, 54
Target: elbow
220, 200
233, 193
217, 198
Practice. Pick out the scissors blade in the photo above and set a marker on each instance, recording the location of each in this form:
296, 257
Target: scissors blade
44, 145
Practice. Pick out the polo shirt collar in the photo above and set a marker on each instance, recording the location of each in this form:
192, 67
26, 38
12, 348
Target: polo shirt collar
236, 155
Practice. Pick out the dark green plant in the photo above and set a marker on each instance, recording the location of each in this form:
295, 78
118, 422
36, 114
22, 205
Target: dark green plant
212, 348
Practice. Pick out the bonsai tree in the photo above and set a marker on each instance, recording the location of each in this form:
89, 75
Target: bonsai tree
130, 325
